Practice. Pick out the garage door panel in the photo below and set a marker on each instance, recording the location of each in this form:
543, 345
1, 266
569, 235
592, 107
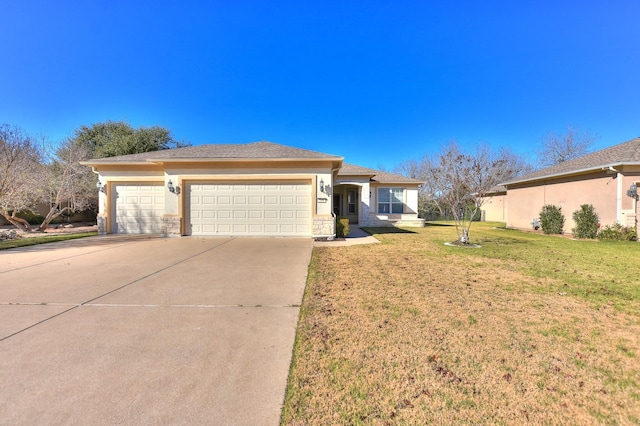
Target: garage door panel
208, 229
249, 209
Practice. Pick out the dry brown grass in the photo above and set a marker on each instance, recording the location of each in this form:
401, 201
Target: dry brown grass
412, 332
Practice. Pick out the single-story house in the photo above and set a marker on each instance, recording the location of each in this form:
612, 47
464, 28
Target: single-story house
604, 179
255, 189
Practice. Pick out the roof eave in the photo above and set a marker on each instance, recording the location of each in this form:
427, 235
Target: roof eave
114, 163
398, 182
573, 172
205, 160
246, 159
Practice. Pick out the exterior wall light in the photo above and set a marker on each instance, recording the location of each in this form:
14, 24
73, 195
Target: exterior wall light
102, 188
321, 185
633, 191
173, 189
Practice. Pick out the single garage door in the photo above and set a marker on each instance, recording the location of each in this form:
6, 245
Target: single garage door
137, 208
236, 208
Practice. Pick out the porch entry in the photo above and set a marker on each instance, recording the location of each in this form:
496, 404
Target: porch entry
346, 203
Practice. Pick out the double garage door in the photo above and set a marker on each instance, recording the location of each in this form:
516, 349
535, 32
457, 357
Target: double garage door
215, 208
236, 208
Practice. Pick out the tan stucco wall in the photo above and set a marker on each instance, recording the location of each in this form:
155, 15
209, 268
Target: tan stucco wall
494, 208
182, 173
606, 192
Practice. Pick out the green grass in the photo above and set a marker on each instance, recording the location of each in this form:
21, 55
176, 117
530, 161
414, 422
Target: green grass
602, 272
527, 328
597, 271
23, 242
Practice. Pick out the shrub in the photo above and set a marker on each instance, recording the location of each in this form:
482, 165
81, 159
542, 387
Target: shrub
31, 217
342, 227
551, 219
617, 232
586, 222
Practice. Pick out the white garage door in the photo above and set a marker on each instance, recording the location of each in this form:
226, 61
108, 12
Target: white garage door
278, 209
137, 208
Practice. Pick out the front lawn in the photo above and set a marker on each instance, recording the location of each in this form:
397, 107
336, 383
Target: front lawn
528, 328
22, 242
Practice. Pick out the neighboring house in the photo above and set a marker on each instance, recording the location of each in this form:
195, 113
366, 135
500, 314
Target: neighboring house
494, 207
601, 179
261, 189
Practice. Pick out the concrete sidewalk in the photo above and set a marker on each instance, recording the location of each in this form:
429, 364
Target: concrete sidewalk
147, 330
356, 236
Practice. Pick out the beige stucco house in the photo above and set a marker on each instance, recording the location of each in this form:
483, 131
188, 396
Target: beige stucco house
601, 178
255, 189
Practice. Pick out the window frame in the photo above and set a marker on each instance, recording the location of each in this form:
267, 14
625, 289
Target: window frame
389, 203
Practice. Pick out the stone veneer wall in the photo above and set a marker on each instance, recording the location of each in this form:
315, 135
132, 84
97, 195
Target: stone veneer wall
102, 225
170, 226
324, 227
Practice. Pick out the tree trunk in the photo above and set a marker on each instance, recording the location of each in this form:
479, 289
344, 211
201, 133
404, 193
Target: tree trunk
53, 213
16, 221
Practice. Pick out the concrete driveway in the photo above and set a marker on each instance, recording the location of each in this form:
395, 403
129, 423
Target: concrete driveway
149, 330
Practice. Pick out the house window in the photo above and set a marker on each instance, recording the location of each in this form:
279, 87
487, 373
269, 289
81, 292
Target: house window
390, 200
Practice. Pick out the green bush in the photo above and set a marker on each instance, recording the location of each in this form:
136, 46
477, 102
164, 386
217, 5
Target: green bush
551, 219
586, 222
617, 232
31, 217
342, 227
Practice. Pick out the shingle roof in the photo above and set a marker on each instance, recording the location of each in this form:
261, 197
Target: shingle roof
375, 175
255, 150
624, 153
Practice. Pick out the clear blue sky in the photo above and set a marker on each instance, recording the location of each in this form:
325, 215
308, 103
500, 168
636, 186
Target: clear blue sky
378, 82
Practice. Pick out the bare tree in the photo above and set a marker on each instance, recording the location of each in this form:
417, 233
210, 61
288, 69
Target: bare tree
21, 174
453, 179
558, 148
459, 182
71, 185
428, 200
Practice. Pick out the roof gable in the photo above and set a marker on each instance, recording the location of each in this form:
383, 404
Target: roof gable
624, 153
